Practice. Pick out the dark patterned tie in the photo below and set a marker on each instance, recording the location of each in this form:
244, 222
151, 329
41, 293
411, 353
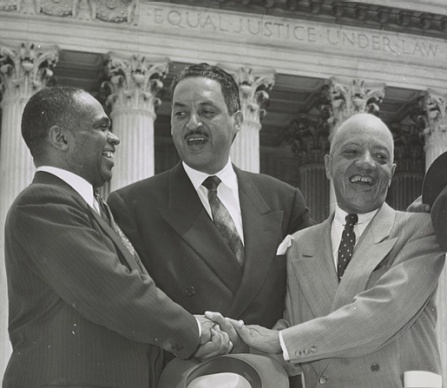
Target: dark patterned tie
107, 216
346, 248
223, 220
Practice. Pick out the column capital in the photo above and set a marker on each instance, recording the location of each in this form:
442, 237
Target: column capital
309, 140
434, 105
26, 69
347, 97
253, 87
135, 81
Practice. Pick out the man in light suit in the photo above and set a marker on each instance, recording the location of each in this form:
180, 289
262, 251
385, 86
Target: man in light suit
83, 311
169, 219
366, 327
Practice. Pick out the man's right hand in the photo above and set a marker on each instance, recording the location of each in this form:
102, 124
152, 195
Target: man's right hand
213, 341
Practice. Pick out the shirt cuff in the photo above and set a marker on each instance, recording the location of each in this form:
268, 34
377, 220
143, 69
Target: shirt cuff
285, 353
200, 328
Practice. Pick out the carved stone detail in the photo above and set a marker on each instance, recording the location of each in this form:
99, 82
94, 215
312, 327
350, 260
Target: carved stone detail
434, 106
253, 87
115, 11
135, 81
309, 140
25, 70
348, 97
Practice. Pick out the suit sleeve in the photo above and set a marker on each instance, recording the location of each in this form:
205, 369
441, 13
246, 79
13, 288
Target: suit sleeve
72, 257
439, 218
371, 321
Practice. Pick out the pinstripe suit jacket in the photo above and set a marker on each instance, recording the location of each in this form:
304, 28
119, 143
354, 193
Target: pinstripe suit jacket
380, 320
81, 313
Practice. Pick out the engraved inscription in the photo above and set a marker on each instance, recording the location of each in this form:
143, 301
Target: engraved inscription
289, 32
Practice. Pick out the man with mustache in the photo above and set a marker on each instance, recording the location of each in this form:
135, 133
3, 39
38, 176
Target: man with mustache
169, 217
360, 306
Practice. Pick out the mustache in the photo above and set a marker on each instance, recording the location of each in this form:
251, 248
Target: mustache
196, 132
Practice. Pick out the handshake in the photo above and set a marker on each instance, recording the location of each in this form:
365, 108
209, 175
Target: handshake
221, 335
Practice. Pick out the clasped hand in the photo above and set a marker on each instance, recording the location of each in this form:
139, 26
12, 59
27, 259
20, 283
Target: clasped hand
243, 336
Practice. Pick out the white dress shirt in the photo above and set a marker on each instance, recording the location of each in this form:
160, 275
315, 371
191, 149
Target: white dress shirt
337, 226
227, 191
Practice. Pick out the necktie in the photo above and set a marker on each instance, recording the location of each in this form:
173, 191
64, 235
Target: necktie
223, 220
107, 216
346, 248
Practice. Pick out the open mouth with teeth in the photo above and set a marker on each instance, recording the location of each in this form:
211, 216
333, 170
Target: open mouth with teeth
108, 154
196, 140
365, 180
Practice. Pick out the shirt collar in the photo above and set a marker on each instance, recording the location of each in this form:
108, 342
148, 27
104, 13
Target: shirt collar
79, 184
227, 175
364, 218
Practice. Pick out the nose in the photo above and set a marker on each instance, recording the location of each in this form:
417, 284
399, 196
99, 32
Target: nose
193, 122
366, 161
112, 138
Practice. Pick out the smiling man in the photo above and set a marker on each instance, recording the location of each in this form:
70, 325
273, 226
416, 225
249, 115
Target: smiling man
83, 312
360, 306
207, 247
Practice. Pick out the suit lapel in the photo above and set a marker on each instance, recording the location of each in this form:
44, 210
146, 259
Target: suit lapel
262, 235
314, 268
123, 252
125, 256
371, 249
188, 217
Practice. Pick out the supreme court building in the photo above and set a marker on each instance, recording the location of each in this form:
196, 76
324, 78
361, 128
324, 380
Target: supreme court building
303, 67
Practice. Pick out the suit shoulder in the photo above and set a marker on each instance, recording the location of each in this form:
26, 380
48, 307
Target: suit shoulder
145, 185
413, 221
44, 193
268, 182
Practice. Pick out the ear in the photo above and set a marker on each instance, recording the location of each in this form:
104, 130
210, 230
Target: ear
59, 137
393, 169
327, 165
238, 118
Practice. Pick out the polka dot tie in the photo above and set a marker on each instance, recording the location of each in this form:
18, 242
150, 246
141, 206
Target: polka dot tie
346, 248
222, 219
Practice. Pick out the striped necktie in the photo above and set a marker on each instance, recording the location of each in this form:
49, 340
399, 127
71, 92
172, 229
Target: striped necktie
222, 219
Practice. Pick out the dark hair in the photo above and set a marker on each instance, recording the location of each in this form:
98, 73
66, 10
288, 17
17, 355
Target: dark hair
48, 107
230, 90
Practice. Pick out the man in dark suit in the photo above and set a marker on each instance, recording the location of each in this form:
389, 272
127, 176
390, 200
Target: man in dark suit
82, 309
363, 317
169, 217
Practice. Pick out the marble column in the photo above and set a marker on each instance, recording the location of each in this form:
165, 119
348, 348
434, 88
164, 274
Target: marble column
134, 84
347, 97
410, 166
253, 87
309, 141
435, 134
23, 71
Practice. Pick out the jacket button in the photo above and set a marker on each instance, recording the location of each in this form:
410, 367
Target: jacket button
322, 380
306, 351
313, 349
190, 291
375, 367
